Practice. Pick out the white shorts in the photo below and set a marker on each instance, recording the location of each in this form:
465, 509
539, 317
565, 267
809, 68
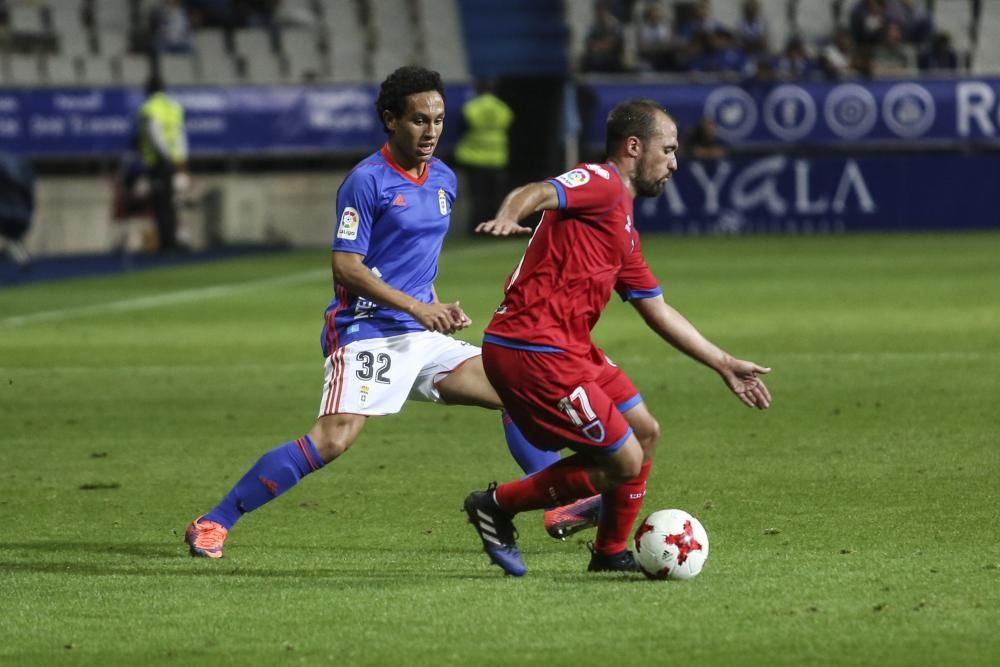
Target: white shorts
376, 376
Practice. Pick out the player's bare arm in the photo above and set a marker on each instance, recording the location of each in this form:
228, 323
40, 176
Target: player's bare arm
741, 376
518, 205
350, 272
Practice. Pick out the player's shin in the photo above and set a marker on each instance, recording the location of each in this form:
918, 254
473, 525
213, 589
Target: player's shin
563, 482
530, 458
274, 473
621, 506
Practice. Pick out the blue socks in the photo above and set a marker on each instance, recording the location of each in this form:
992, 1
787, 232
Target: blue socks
274, 473
530, 458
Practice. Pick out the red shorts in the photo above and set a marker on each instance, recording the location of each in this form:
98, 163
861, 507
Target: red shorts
560, 400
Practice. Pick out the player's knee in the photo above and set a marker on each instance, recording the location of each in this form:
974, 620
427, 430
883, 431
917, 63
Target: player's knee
331, 440
626, 463
648, 436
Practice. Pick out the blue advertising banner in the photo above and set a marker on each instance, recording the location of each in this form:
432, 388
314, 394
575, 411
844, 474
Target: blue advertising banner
783, 194
817, 114
220, 121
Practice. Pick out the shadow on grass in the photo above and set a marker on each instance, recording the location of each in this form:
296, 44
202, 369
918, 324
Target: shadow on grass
157, 559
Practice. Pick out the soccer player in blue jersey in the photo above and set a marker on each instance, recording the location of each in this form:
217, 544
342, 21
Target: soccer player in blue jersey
385, 336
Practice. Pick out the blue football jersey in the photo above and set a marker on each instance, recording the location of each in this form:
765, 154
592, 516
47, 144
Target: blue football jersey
397, 223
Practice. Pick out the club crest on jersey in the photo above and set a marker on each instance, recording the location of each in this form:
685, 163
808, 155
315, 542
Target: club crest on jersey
574, 178
442, 202
348, 228
599, 170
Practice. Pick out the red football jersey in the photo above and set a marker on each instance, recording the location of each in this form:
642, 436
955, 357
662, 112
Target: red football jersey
577, 255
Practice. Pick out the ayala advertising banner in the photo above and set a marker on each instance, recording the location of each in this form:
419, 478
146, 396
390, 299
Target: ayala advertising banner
785, 194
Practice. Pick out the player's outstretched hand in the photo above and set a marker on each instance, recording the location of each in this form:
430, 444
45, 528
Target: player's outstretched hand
444, 318
741, 376
499, 227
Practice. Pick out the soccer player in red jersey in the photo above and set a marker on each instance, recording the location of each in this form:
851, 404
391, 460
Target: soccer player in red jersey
558, 387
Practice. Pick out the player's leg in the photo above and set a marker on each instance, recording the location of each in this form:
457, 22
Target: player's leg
622, 504
368, 377
554, 410
492, 511
466, 384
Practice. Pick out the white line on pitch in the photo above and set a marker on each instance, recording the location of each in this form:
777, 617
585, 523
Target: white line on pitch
157, 300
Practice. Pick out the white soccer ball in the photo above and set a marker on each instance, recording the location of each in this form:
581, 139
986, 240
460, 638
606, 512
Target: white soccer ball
671, 544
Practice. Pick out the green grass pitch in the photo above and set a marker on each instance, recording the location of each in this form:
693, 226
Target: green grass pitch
857, 522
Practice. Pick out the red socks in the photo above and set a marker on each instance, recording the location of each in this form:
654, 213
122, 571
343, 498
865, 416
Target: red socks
620, 508
559, 484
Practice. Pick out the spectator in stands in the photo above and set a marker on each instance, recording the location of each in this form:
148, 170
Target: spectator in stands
795, 61
701, 22
254, 13
209, 13
715, 52
914, 22
655, 40
482, 151
938, 55
17, 206
752, 30
605, 45
703, 141
170, 28
867, 22
891, 57
163, 147
836, 60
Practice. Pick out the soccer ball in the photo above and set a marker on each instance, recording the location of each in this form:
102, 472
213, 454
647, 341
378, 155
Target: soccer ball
671, 544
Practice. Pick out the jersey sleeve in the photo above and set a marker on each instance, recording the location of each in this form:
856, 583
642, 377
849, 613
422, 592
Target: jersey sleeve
357, 208
586, 189
636, 281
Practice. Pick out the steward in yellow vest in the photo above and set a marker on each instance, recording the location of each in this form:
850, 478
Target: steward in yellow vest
482, 151
164, 150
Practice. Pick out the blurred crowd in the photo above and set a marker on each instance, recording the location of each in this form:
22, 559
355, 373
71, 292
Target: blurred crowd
876, 38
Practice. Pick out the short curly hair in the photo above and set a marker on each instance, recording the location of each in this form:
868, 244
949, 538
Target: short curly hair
402, 83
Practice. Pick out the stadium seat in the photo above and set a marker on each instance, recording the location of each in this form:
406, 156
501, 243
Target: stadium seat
729, 14
986, 58
252, 41
395, 38
26, 19
23, 70
217, 67
61, 70
955, 17
779, 28
444, 43
302, 54
814, 21
179, 69
579, 17
210, 43
347, 39
112, 42
263, 68
97, 71
132, 69
114, 15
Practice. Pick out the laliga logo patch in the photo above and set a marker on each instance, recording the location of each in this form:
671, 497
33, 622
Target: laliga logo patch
365, 389
575, 178
348, 228
442, 202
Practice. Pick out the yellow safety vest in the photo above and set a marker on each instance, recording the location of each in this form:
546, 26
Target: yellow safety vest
168, 115
485, 142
